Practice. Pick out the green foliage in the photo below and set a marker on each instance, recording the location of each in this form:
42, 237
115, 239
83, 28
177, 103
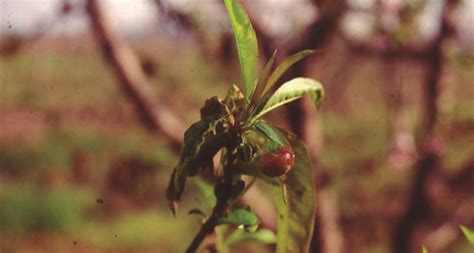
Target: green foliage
290, 91
262, 80
264, 236
296, 216
233, 126
274, 139
468, 233
284, 66
29, 209
240, 217
247, 46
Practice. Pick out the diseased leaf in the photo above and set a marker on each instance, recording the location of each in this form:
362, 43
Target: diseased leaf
240, 216
246, 42
212, 107
468, 233
233, 95
290, 91
173, 194
296, 217
264, 236
199, 147
284, 66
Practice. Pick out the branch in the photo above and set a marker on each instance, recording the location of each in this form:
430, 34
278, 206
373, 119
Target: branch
183, 20
222, 202
132, 80
430, 155
385, 50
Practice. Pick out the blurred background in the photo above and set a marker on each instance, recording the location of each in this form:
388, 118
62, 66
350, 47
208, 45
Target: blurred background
95, 97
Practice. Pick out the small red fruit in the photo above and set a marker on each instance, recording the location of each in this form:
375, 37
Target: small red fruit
279, 162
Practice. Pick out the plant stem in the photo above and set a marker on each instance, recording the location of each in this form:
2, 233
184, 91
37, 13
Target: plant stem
219, 208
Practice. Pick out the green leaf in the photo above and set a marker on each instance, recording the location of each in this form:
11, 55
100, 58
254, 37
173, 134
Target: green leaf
207, 191
424, 250
273, 137
284, 66
468, 233
296, 217
220, 232
264, 236
262, 79
240, 216
290, 91
246, 42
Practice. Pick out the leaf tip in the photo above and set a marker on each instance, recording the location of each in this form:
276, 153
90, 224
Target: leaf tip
424, 249
173, 205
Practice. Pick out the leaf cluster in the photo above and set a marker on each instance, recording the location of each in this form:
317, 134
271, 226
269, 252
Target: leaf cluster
234, 128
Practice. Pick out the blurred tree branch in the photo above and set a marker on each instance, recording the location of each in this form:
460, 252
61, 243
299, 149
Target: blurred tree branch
132, 80
219, 48
430, 150
167, 14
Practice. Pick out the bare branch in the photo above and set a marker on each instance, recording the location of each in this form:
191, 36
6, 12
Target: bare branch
132, 80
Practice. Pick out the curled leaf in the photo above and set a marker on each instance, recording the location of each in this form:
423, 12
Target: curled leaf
200, 145
212, 107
